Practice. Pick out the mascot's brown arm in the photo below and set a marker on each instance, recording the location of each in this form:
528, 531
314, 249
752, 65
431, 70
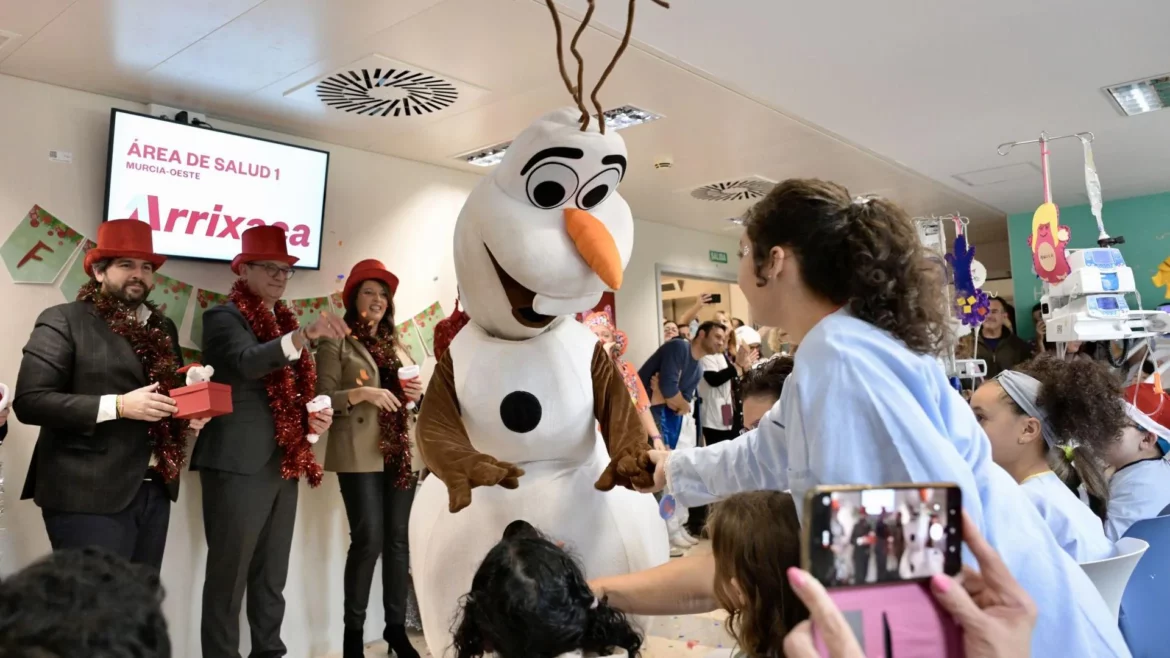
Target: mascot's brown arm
446, 449
626, 439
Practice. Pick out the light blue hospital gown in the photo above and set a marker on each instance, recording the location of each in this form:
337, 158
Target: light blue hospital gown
1077, 529
860, 408
1137, 491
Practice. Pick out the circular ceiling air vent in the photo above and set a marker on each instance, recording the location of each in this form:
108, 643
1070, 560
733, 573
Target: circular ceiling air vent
395, 92
745, 189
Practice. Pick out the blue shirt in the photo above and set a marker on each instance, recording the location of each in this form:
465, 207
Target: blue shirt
677, 369
860, 408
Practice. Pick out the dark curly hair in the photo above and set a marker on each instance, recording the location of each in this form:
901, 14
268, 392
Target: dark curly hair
529, 599
1083, 400
863, 254
86, 603
755, 538
767, 379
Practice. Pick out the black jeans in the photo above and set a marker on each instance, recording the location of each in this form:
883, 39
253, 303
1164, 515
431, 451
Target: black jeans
137, 533
697, 521
379, 517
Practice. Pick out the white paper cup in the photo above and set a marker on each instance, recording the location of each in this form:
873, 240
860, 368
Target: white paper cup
408, 373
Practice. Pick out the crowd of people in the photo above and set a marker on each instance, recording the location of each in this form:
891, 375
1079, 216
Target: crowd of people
1054, 459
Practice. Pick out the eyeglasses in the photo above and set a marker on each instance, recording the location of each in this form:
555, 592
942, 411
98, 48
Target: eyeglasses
275, 271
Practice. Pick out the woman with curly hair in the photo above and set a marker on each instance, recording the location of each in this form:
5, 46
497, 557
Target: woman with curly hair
529, 599
867, 403
1049, 422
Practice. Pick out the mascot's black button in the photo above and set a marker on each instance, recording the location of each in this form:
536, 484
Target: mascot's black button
520, 412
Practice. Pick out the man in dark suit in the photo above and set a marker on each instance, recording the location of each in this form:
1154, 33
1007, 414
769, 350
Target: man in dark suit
105, 468
249, 461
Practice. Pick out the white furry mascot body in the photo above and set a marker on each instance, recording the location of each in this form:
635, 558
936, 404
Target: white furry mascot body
517, 399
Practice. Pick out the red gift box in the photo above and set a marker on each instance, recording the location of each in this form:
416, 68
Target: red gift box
202, 400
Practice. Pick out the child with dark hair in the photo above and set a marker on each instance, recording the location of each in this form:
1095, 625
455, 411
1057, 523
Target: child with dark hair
83, 603
1049, 422
529, 599
755, 538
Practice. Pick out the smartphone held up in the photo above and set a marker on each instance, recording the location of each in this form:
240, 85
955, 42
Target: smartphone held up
894, 533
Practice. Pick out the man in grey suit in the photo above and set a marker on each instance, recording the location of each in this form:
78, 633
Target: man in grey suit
249, 506
87, 379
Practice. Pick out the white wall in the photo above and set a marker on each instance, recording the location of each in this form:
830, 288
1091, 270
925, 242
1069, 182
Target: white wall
400, 212
658, 244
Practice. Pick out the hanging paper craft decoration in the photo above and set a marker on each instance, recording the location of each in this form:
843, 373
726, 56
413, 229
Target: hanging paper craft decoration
39, 247
191, 355
172, 297
971, 303
1049, 238
409, 340
426, 322
1162, 278
309, 309
75, 277
204, 299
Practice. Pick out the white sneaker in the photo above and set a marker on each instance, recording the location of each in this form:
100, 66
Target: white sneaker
675, 551
686, 536
676, 541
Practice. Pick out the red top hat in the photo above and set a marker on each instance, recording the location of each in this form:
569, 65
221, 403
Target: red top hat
366, 270
123, 238
263, 243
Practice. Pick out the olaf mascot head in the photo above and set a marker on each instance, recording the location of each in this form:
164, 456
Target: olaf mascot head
546, 234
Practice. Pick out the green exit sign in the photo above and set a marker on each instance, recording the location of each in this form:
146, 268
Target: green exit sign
718, 256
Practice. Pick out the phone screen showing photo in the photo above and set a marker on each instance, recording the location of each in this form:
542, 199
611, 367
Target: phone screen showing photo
881, 535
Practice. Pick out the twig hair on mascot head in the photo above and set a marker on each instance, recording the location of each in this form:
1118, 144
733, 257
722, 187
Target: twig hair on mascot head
525, 407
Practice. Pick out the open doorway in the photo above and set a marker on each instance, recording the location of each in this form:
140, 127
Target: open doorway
681, 293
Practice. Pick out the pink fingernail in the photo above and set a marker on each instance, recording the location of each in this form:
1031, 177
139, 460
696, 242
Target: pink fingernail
940, 583
795, 578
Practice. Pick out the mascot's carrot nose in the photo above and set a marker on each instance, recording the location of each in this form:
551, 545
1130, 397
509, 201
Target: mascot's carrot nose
596, 246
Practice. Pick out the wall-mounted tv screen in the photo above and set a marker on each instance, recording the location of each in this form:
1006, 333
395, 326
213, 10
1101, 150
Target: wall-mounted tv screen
199, 188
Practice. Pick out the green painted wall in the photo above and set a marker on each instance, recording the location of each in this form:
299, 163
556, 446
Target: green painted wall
1145, 223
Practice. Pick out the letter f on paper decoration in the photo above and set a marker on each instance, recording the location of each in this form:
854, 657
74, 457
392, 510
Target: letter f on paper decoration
596, 245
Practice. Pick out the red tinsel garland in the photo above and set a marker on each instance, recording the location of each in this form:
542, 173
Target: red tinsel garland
394, 425
156, 352
448, 328
289, 388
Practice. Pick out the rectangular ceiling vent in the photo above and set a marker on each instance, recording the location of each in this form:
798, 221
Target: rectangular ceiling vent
994, 175
749, 188
620, 118
1141, 96
672, 286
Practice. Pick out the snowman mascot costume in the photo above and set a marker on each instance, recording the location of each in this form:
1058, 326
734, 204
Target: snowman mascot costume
514, 406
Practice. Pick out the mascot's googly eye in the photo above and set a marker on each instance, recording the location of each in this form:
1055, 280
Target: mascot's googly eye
598, 189
551, 185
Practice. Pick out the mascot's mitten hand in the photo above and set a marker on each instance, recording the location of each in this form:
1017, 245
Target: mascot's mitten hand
479, 471
631, 468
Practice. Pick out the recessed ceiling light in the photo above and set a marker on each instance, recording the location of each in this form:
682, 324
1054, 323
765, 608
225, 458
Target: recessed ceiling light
738, 221
488, 157
1141, 96
626, 116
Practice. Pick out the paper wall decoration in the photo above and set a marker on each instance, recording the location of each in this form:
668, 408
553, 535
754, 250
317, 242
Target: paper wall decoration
204, 299
338, 304
426, 322
192, 355
172, 297
309, 309
410, 342
75, 276
38, 249
1162, 277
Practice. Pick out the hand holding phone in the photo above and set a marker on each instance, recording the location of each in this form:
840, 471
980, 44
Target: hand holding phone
868, 535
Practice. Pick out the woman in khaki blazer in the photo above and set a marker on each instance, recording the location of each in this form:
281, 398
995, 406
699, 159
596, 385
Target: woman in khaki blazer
369, 447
